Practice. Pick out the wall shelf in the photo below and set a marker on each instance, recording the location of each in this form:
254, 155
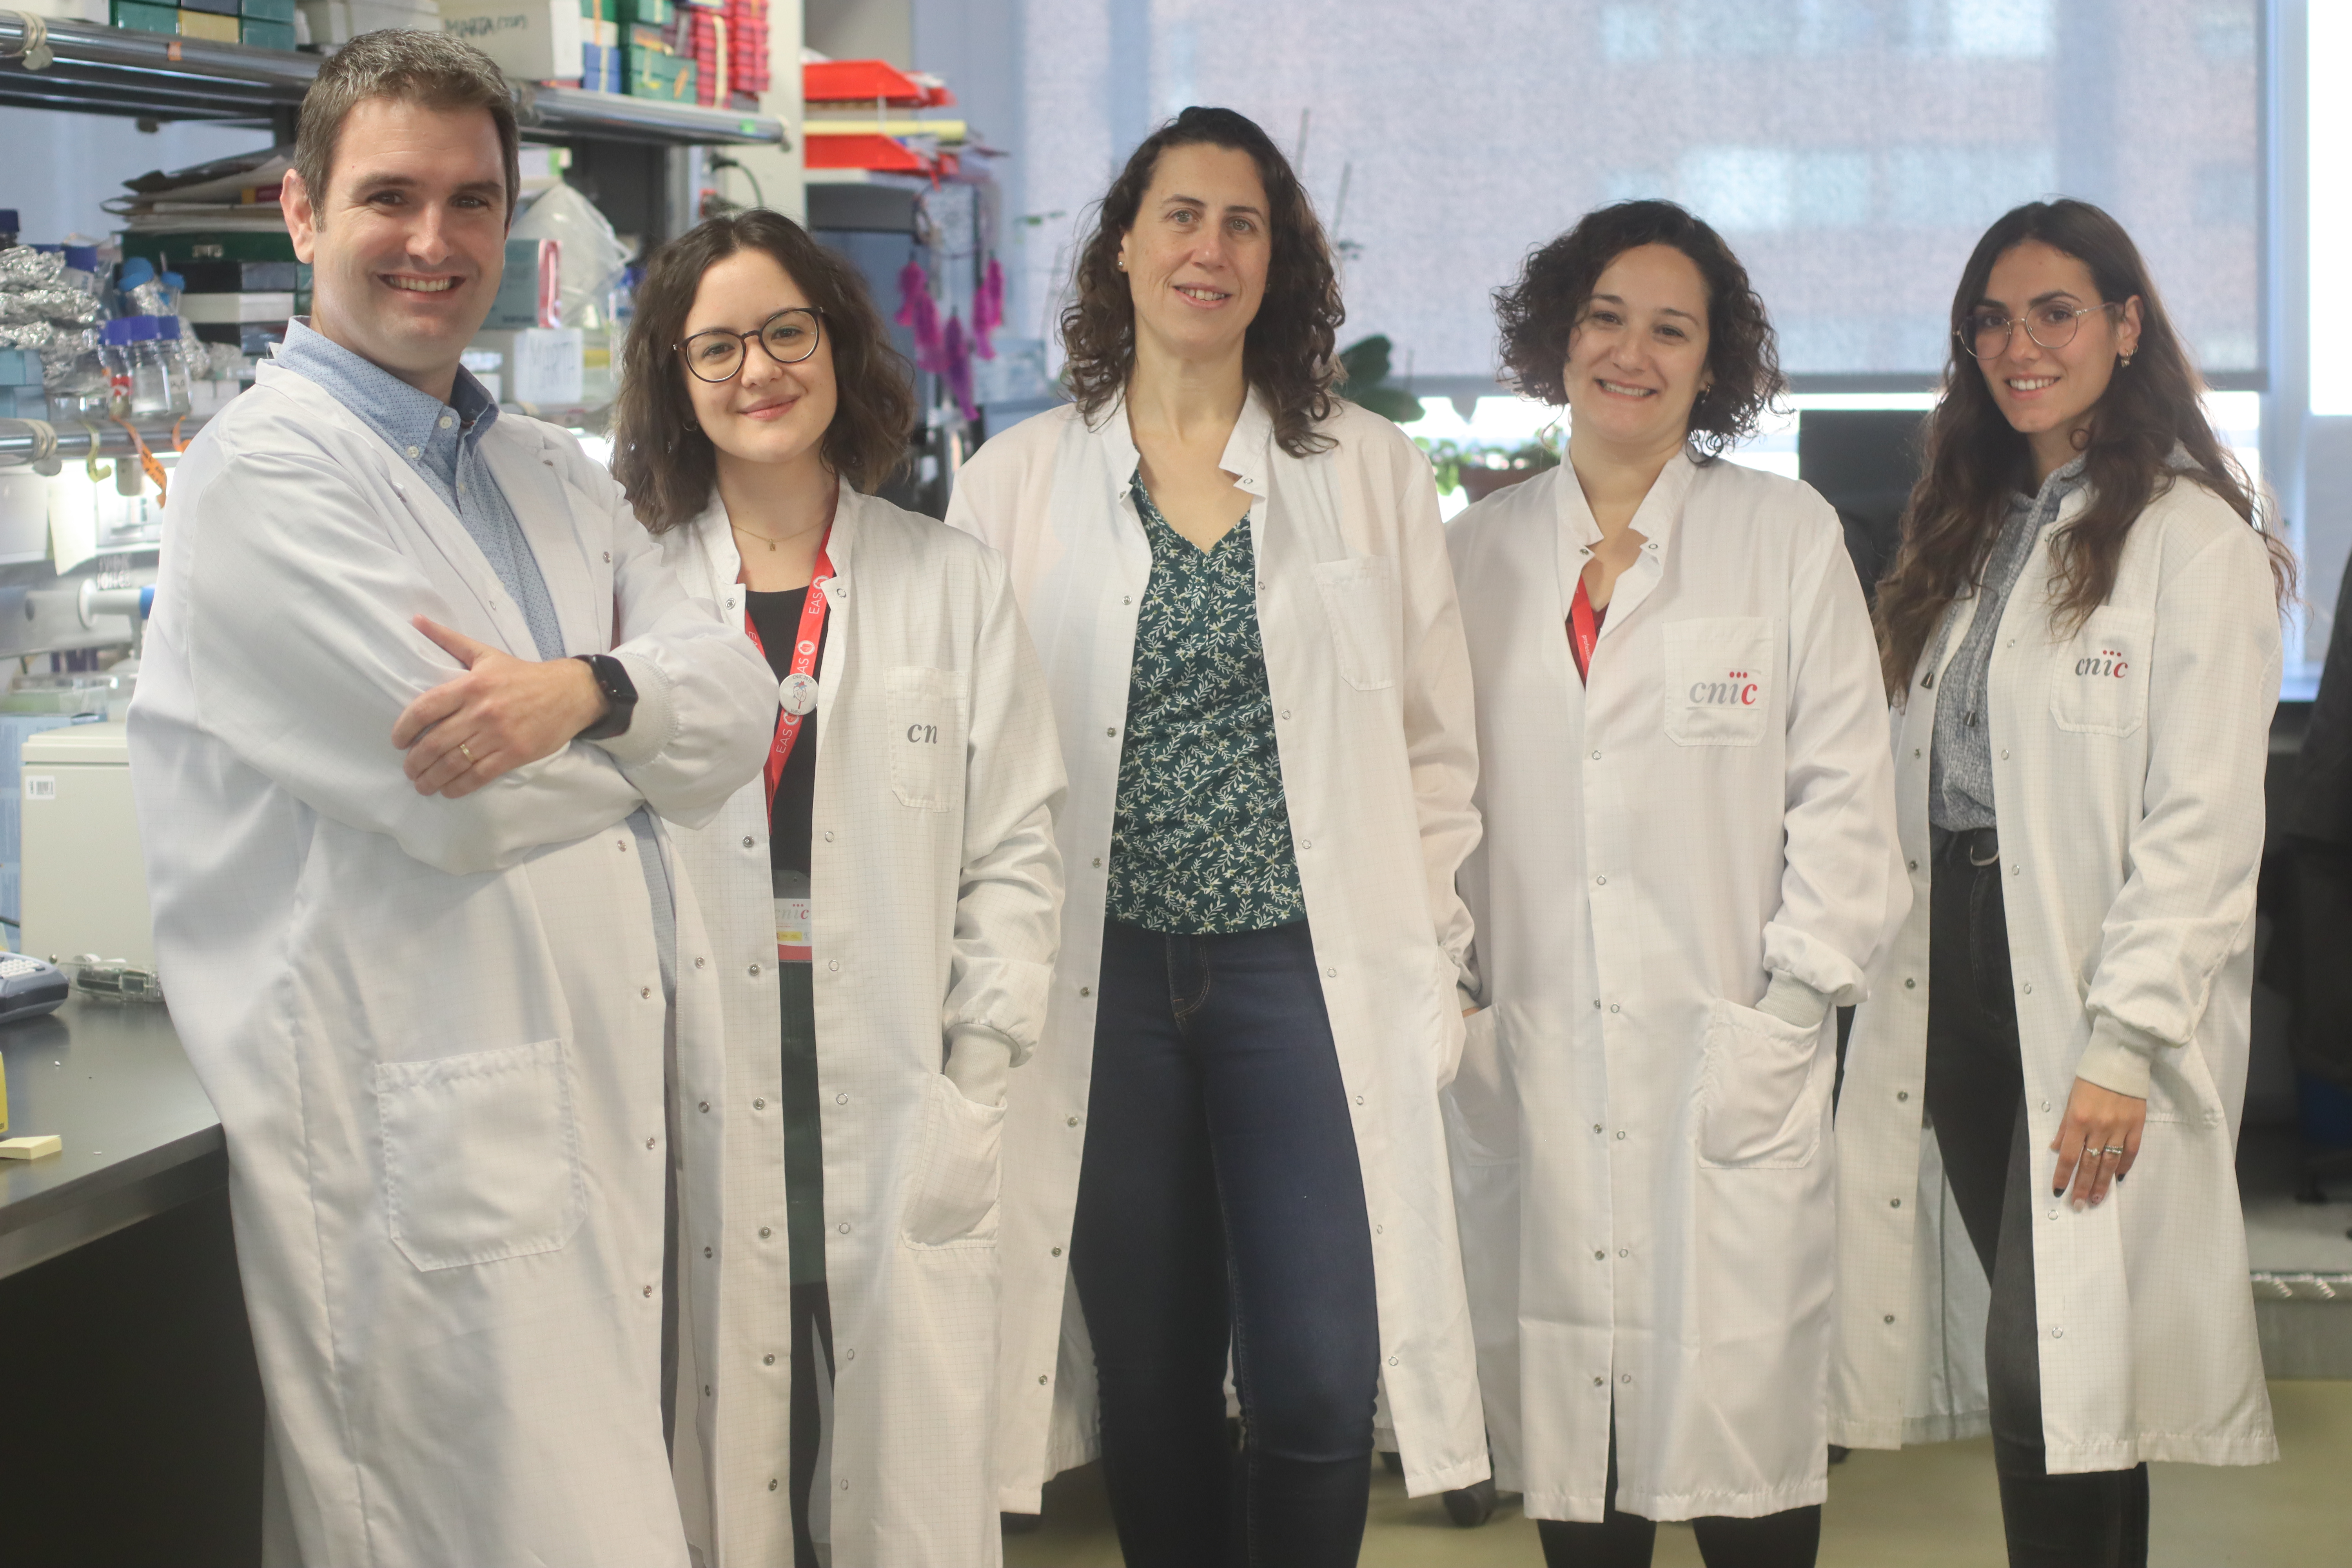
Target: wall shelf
110, 70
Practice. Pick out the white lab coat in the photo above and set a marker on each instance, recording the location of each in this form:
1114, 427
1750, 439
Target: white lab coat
1371, 699
1642, 1156
432, 1028
936, 893
2131, 829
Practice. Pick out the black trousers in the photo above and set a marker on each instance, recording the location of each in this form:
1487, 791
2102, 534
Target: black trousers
1790, 1539
1976, 1103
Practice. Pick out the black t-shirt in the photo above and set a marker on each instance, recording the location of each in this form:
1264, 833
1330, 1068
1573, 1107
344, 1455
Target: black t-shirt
777, 617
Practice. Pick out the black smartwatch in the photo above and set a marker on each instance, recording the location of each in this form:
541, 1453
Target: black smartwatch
619, 696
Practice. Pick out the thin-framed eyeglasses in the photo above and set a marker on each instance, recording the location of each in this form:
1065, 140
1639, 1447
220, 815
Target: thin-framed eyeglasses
789, 336
1986, 335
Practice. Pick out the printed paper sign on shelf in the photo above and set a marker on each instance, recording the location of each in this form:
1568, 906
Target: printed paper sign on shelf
530, 40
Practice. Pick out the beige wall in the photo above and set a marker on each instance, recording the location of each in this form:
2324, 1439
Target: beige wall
863, 30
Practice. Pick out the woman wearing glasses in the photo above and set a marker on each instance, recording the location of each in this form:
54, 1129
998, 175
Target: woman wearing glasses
2081, 632
1240, 591
1689, 858
885, 898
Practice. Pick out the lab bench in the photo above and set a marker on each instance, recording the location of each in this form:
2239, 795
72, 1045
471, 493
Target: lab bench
127, 1377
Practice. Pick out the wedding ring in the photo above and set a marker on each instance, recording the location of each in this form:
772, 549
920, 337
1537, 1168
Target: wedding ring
464, 752
2112, 1150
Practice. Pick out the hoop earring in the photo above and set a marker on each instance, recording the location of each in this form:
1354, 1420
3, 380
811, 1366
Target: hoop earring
2127, 362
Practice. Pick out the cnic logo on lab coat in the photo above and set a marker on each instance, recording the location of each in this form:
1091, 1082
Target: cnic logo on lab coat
1734, 690
2106, 662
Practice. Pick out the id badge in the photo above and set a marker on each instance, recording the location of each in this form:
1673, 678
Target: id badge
795, 918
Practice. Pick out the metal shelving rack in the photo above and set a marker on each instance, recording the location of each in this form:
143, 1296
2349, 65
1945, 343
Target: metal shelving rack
109, 70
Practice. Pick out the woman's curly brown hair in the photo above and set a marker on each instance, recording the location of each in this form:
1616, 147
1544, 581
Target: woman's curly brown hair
1538, 312
662, 459
1289, 354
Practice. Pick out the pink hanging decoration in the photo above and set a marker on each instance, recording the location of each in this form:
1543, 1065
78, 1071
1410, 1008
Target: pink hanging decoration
956, 353
988, 309
917, 310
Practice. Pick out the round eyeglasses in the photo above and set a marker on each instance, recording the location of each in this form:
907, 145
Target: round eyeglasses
789, 337
1986, 335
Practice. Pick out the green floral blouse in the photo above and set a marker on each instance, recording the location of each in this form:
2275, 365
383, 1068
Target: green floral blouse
1201, 839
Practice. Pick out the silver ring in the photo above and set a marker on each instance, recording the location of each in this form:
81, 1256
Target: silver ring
2112, 1150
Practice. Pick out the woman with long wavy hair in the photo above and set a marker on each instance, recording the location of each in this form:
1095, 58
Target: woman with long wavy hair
2081, 634
1239, 588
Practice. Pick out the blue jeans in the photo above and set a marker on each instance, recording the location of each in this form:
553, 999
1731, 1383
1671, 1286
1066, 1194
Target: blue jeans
1221, 1203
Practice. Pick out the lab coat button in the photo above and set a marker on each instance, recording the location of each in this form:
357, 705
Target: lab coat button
849, 1354
700, 963
1085, 990
1615, 1009
644, 991
1041, 1379
1890, 1317
649, 1291
747, 841
828, 835
771, 1483
765, 1232
623, 845
1073, 1121
1596, 1127
1393, 1361
649, 1143
1620, 1135
1901, 1095
1894, 1203
1360, 1100
1625, 1377
2004, 756
1596, 756
768, 1360
2057, 1333
608, 561
755, 971
1624, 1252
1912, 865
1112, 730
706, 1108
1057, 1252
2029, 988
1331, 972
1599, 1255
833, 964
844, 1227
841, 1099
2045, 1105
1285, 712
1909, 983
1098, 862
759, 1105
706, 1252
1598, 1382
1600, 881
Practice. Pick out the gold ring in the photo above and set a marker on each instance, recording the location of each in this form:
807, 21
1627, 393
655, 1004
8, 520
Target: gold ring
465, 751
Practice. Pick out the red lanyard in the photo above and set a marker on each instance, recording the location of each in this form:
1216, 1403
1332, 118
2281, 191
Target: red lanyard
804, 647
1583, 631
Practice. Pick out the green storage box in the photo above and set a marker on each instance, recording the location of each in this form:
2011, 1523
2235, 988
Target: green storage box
138, 17
265, 35
267, 10
164, 249
646, 13
650, 75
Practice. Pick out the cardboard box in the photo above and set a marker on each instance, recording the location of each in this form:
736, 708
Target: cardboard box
542, 366
210, 26
267, 10
256, 33
341, 21
600, 68
135, 16
530, 40
217, 309
216, 7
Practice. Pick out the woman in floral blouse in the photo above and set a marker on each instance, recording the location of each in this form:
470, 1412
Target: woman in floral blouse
1239, 587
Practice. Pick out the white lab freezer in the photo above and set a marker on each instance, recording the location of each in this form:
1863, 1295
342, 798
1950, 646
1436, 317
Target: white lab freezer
85, 877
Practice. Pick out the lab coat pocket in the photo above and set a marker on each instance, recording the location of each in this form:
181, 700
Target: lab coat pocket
481, 1156
925, 738
1719, 677
1484, 1102
2098, 683
1759, 1105
1361, 600
952, 1201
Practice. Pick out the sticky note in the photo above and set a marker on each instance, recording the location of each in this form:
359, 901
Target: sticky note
31, 1148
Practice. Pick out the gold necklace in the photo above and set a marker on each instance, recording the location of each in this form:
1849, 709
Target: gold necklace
763, 538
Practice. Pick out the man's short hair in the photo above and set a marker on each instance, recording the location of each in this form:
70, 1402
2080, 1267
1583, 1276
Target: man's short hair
433, 70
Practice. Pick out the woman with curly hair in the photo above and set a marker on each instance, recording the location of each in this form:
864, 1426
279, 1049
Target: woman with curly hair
1688, 860
2082, 632
1239, 588
881, 904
